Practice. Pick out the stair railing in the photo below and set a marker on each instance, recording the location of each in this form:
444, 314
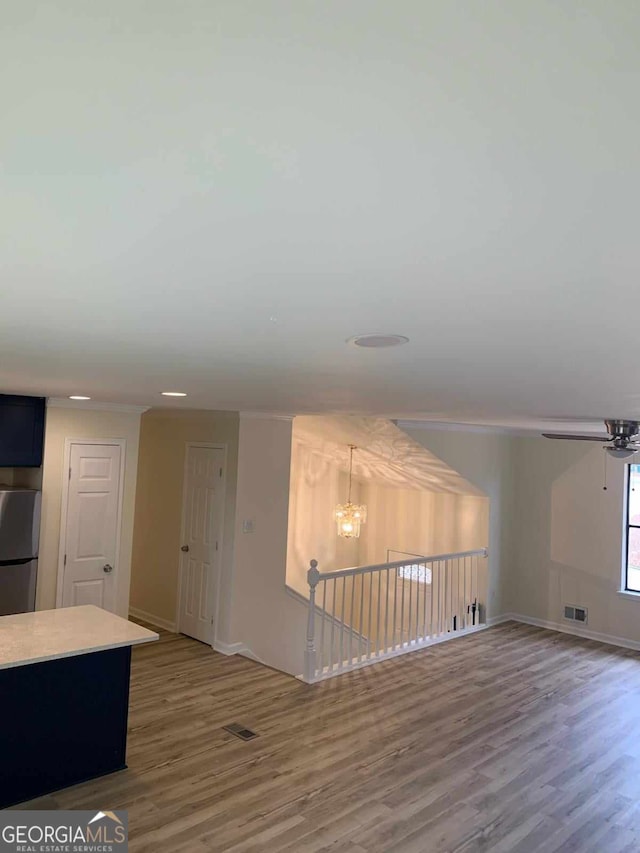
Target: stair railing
362, 615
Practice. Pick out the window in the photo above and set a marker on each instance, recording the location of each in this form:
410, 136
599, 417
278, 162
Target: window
632, 573
421, 574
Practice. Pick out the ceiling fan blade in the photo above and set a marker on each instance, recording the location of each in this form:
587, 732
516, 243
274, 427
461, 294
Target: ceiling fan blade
566, 437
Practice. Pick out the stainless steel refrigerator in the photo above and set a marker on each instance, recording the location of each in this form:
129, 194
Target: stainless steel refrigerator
19, 532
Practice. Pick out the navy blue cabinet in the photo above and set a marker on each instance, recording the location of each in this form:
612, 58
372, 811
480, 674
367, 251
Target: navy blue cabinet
21, 431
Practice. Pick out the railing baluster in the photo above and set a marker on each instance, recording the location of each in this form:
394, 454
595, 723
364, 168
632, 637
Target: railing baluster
333, 622
360, 634
467, 593
370, 576
395, 607
353, 601
464, 595
420, 607
452, 585
378, 617
460, 595
475, 593
454, 592
386, 612
410, 608
452, 577
417, 588
342, 625
402, 613
324, 619
419, 585
439, 599
432, 595
424, 603
442, 596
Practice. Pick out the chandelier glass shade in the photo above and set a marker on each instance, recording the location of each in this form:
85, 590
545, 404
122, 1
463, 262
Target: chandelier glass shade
350, 516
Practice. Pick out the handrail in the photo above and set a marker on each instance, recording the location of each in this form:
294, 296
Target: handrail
379, 567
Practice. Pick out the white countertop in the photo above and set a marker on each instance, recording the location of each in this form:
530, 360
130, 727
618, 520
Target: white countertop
51, 634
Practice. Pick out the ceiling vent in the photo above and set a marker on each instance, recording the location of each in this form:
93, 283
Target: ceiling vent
378, 341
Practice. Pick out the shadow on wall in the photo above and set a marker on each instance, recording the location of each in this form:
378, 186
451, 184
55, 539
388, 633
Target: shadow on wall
403, 519
316, 486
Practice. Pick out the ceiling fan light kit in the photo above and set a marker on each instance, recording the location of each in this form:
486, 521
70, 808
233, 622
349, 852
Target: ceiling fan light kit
622, 440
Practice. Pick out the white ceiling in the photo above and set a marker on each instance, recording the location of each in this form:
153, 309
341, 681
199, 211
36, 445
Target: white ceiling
213, 195
384, 454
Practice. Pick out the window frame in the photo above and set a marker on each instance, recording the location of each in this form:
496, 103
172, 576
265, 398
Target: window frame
627, 527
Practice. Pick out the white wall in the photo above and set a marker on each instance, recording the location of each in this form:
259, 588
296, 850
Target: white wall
569, 537
420, 522
264, 618
316, 486
62, 423
487, 460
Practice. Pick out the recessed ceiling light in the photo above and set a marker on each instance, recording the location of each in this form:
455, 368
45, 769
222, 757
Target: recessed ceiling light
173, 394
78, 397
378, 341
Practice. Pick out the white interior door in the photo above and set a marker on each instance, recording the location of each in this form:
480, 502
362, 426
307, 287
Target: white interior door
90, 563
203, 508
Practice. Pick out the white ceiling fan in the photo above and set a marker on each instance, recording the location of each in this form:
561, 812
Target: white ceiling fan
622, 441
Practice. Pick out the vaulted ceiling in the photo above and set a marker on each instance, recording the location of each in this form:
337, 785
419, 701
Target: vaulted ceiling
383, 453
213, 196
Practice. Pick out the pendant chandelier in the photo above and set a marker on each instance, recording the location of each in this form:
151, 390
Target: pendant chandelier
350, 516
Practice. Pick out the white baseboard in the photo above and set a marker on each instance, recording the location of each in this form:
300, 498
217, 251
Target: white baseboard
152, 619
228, 648
247, 653
586, 633
235, 649
498, 620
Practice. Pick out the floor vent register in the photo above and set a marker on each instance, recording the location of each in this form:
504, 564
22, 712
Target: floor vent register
240, 731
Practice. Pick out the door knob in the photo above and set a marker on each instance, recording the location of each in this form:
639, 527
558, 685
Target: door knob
185, 548
107, 568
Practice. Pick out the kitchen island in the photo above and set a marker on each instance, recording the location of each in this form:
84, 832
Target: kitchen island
64, 689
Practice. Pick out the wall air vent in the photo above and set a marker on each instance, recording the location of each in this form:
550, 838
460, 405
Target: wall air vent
575, 614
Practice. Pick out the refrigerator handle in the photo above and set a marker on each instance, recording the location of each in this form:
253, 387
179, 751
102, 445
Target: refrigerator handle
37, 503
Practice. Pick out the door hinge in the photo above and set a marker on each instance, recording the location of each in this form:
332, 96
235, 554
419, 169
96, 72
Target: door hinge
69, 473
65, 560
221, 472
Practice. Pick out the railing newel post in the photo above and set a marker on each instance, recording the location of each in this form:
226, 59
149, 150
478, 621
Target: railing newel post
310, 653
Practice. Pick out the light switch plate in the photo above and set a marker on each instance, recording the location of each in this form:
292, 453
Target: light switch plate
248, 526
